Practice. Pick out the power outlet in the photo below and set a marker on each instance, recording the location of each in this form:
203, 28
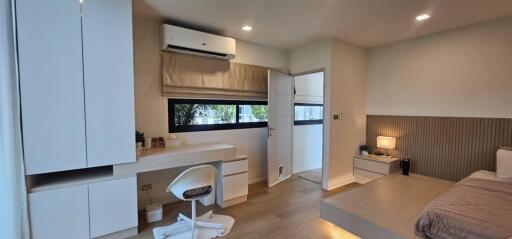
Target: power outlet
146, 187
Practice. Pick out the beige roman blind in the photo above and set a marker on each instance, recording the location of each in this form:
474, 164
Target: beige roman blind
201, 77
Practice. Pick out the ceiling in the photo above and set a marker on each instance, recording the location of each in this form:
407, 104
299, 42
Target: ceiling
290, 23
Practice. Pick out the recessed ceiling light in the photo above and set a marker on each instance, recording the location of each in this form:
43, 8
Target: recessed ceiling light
246, 28
422, 17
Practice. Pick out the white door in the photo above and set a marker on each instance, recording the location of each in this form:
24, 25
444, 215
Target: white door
280, 125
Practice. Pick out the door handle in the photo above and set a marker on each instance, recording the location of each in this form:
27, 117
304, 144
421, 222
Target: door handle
270, 131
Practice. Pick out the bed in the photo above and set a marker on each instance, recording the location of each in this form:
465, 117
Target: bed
479, 206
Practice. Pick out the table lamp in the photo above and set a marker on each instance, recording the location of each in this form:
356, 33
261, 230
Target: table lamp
384, 142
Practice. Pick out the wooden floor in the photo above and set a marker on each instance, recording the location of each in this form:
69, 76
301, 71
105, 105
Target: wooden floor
290, 209
314, 175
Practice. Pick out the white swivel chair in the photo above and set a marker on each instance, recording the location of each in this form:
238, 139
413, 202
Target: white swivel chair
191, 185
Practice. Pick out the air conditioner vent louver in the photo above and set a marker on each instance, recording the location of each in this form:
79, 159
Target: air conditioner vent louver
187, 50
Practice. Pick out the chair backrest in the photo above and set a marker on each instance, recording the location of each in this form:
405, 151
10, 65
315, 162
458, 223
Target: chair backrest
193, 178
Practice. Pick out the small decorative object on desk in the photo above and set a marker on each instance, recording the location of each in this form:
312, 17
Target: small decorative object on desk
139, 148
173, 141
158, 142
139, 137
405, 164
147, 143
363, 150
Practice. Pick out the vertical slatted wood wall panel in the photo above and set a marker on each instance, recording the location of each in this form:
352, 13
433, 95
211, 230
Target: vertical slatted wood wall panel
444, 147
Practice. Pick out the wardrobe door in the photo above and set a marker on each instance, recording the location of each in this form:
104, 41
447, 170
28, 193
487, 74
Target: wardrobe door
51, 84
109, 86
113, 206
60, 213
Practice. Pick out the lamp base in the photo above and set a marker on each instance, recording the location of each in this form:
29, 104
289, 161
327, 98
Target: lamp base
383, 155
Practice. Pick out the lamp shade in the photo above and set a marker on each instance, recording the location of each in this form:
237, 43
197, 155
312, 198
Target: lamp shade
385, 142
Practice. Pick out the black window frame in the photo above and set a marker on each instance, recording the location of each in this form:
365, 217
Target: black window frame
173, 128
307, 122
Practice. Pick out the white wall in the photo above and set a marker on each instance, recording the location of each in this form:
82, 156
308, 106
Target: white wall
251, 142
348, 96
464, 72
253, 54
307, 147
345, 92
151, 107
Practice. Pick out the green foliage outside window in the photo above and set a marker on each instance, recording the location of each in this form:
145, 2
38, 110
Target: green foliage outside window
226, 113
185, 114
259, 111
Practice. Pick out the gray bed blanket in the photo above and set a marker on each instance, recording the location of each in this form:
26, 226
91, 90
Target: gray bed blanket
473, 208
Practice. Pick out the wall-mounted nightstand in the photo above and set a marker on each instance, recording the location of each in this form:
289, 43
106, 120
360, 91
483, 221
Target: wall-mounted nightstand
370, 167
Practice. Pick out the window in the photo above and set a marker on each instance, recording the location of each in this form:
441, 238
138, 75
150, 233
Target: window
308, 114
252, 113
187, 115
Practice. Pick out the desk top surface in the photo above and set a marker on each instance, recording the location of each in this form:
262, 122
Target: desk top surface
183, 149
174, 157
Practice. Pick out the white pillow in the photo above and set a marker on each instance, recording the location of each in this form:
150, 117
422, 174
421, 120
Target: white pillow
504, 163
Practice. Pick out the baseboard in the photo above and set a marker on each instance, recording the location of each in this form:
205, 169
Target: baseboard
307, 169
121, 234
280, 180
257, 180
340, 181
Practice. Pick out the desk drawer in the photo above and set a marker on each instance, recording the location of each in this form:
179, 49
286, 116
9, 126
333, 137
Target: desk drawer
373, 166
235, 186
235, 167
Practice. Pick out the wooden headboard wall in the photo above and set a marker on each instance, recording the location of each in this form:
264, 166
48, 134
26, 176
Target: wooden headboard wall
444, 147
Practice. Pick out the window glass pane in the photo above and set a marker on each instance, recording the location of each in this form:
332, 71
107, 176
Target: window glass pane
204, 114
253, 113
309, 112
189, 115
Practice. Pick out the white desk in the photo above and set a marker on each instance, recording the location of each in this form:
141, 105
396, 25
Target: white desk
232, 176
174, 157
77, 196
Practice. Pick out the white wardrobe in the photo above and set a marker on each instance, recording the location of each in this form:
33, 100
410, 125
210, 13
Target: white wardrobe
77, 105
76, 83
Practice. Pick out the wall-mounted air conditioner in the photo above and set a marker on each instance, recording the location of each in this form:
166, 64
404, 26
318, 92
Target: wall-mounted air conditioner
188, 41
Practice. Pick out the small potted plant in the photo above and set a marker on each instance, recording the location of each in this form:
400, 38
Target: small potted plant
139, 137
363, 149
